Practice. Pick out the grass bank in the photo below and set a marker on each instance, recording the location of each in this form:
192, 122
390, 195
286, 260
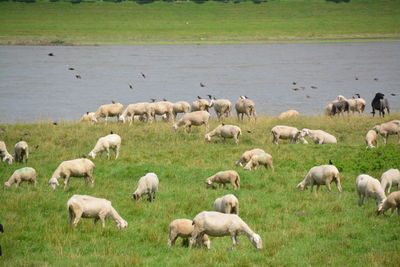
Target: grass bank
297, 228
64, 23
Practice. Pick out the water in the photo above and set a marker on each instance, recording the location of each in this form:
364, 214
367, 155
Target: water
35, 86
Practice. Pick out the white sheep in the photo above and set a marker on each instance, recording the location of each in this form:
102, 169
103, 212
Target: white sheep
318, 136
73, 168
215, 223
89, 116
389, 178
4, 155
162, 108
83, 206
391, 202
321, 175
180, 107
225, 131
147, 185
355, 104
388, 128
222, 107
26, 174
109, 110
183, 228
200, 105
111, 141
368, 186
291, 113
139, 109
245, 106
263, 159
21, 151
196, 118
227, 204
225, 177
286, 132
371, 139
246, 156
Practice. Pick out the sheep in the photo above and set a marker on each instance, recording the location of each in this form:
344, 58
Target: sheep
109, 110
340, 107
246, 156
371, 139
286, 132
328, 109
389, 178
76, 168
147, 184
21, 151
27, 174
380, 103
264, 159
180, 107
4, 155
360, 103
225, 131
227, 204
200, 105
245, 106
318, 136
89, 116
388, 128
321, 175
111, 141
161, 108
391, 202
368, 186
224, 177
196, 118
183, 228
142, 109
289, 114
222, 107
215, 223
84, 206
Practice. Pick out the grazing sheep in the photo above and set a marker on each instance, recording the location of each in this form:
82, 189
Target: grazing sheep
147, 184
227, 204
321, 175
246, 156
222, 107
286, 132
391, 202
200, 105
180, 107
162, 108
139, 109
289, 114
26, 174
89, 116
389, 178
225, 177
83, 206
73, 168
21, 151
183, 228
109, 110
4, 155
245, 106
196, 118
318, 136
111, 141
225, 131
371, 139
388, 128
380, 103
340, 107
215, 223
264, 159
368, 186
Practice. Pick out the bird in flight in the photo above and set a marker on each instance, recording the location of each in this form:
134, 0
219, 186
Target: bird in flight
78, 76
130, 85
202, 85
143, 75
50, 54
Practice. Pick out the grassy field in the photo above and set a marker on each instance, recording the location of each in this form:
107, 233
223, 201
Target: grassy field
187, 22
297, 228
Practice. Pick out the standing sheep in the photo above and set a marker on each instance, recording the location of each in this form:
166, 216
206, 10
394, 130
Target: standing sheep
368, 186
225, 131
388, 128
256, 160
109, 110
180, 107
4, 155
380, 103
391, 202
286, 132
371, 139
196, 118
319, 137
227, 204
21, 151
291, 113
389, 178
321, 175
246, 156
222, 107
183, 228
147, 185
26, 174
225, 177
162, 108
111, 141
246, 107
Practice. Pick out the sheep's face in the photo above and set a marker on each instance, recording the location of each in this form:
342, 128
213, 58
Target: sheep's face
135, 196
208, 182
54, 183
207, 138
7, 184
303, 133
8, 159
92, 155
301, 187
256, 241
377, 128
122, 224
175, 127
121, 119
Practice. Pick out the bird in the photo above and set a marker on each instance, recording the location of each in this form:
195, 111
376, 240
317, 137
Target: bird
308, 96
209, 96
356, 78
130, 85
375, 79
78, 76
153, 100
314, 87
249, 131
295, 89
202, 85
70, 68
112, 101
111, 132
294, 83
37, 146
164, 99
144, 76
330, 162
50, 54
55, 123
246, 97
392, 94
199, 97
358, 95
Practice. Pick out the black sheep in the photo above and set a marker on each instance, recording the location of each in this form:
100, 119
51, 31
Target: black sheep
380, 103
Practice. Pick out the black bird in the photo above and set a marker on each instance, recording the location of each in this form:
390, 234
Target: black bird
393, 94
294, 83
223, 124
358, 95
202, 85
50, 54
55, 123
78, 76
144, 76
375, 79
87, 112
112, 101
70, 68
330, 162
153, 100
164, 99
246, 97
295, 89
130, 85
209, 96
199, 97
355, 77
308, 96
37, 146
249, 131
314, 87
111, 132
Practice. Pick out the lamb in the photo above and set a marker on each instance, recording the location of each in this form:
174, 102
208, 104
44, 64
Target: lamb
368, 186
183, 228
319, 136
225, 177
4, 155
389, 178
26, 174
83, 206
139, 109
321, 175
225, 131
371, 139
89, 116
391, 202
289, 114
227, 204
109, 110
180, 107
246, 156
21, 150
75, 168
286, 132
147, 184
245, 106
215, 223
200, 104
111, 141
196, 118
264, 159
222, 107
388, 128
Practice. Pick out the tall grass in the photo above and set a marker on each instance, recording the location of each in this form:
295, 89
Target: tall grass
297, 228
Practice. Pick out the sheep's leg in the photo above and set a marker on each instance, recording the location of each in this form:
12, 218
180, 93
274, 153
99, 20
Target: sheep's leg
385, 137
95, 220
66, 181
149, 196
116, 150
78, 215
86, 180
172, 239
102, 217
328, 186
318, 187
154, 196
193, 238
361, 199
338, 185
108, 153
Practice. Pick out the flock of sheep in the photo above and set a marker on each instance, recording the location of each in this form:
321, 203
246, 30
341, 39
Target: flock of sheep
224, 220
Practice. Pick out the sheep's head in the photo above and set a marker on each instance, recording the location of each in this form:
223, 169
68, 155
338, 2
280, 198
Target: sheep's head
54, 183
256, 241
7, 184
303, 133
8, 159
122, 224
121, 119
208, 182
135, 196
175, 126
207, 138
380, 208
377, 128
92, 155
301, 186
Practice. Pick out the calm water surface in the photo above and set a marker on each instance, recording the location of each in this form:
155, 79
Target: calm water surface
35, 86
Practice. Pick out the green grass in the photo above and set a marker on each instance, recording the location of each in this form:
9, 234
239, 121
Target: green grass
187, 22
297, 228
